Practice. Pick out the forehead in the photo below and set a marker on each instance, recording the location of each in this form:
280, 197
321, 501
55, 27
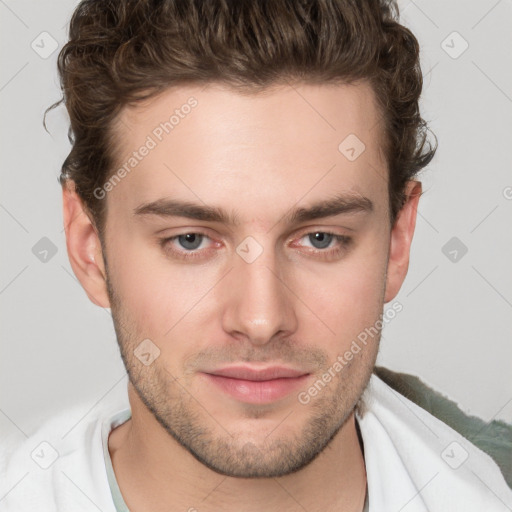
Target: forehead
280, 144
219, 113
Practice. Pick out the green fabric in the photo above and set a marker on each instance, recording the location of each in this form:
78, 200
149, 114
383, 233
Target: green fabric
494, 438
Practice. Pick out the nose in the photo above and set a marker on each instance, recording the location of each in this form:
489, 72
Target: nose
259, 306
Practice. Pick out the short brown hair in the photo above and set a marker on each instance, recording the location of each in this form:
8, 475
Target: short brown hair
122, 51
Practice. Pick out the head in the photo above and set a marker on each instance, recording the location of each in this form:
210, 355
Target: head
241, 190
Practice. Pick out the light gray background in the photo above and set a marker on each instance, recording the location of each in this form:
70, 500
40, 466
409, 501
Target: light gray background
58, 349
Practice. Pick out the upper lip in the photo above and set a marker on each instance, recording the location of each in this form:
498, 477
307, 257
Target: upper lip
258, 374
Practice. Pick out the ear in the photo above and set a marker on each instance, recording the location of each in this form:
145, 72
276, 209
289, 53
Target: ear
84, 247
400, 242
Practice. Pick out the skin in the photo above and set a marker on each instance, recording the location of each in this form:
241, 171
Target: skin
188, 444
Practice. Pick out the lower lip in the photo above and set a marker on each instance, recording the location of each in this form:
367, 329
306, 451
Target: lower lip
257, 392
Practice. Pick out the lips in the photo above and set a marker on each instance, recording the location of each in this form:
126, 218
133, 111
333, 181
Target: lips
256, 385
246, 373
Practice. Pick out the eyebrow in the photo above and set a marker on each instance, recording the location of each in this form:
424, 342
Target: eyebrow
339, 204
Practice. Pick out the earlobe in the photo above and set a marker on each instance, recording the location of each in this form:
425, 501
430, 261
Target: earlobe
84, 247
401, 239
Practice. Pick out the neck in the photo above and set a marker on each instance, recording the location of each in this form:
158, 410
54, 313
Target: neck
156, 473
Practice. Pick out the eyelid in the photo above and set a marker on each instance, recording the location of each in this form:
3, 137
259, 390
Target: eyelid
172, 238
341, 238
183, 254
308, 230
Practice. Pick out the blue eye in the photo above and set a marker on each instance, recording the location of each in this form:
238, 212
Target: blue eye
324, 239
185, 246
190, 241
321, 247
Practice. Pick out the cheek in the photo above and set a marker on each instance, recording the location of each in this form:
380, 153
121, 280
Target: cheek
162, 301
143, 286
347, 297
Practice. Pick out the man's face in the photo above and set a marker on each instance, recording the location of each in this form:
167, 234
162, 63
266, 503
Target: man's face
271, 290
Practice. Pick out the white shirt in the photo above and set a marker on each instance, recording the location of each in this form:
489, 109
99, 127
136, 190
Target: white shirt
414, 463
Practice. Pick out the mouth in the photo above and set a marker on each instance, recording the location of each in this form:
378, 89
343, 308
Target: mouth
257, 385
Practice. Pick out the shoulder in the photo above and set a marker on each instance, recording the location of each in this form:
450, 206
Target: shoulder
493, 438
61, 463
414, 457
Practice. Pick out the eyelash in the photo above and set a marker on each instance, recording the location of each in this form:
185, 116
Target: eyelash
325, 254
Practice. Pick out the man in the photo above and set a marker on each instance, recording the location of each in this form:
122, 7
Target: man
240, 192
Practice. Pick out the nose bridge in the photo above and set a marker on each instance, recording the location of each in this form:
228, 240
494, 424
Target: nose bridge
259, 305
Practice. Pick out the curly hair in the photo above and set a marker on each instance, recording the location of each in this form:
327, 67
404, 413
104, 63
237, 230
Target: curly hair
121, 52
